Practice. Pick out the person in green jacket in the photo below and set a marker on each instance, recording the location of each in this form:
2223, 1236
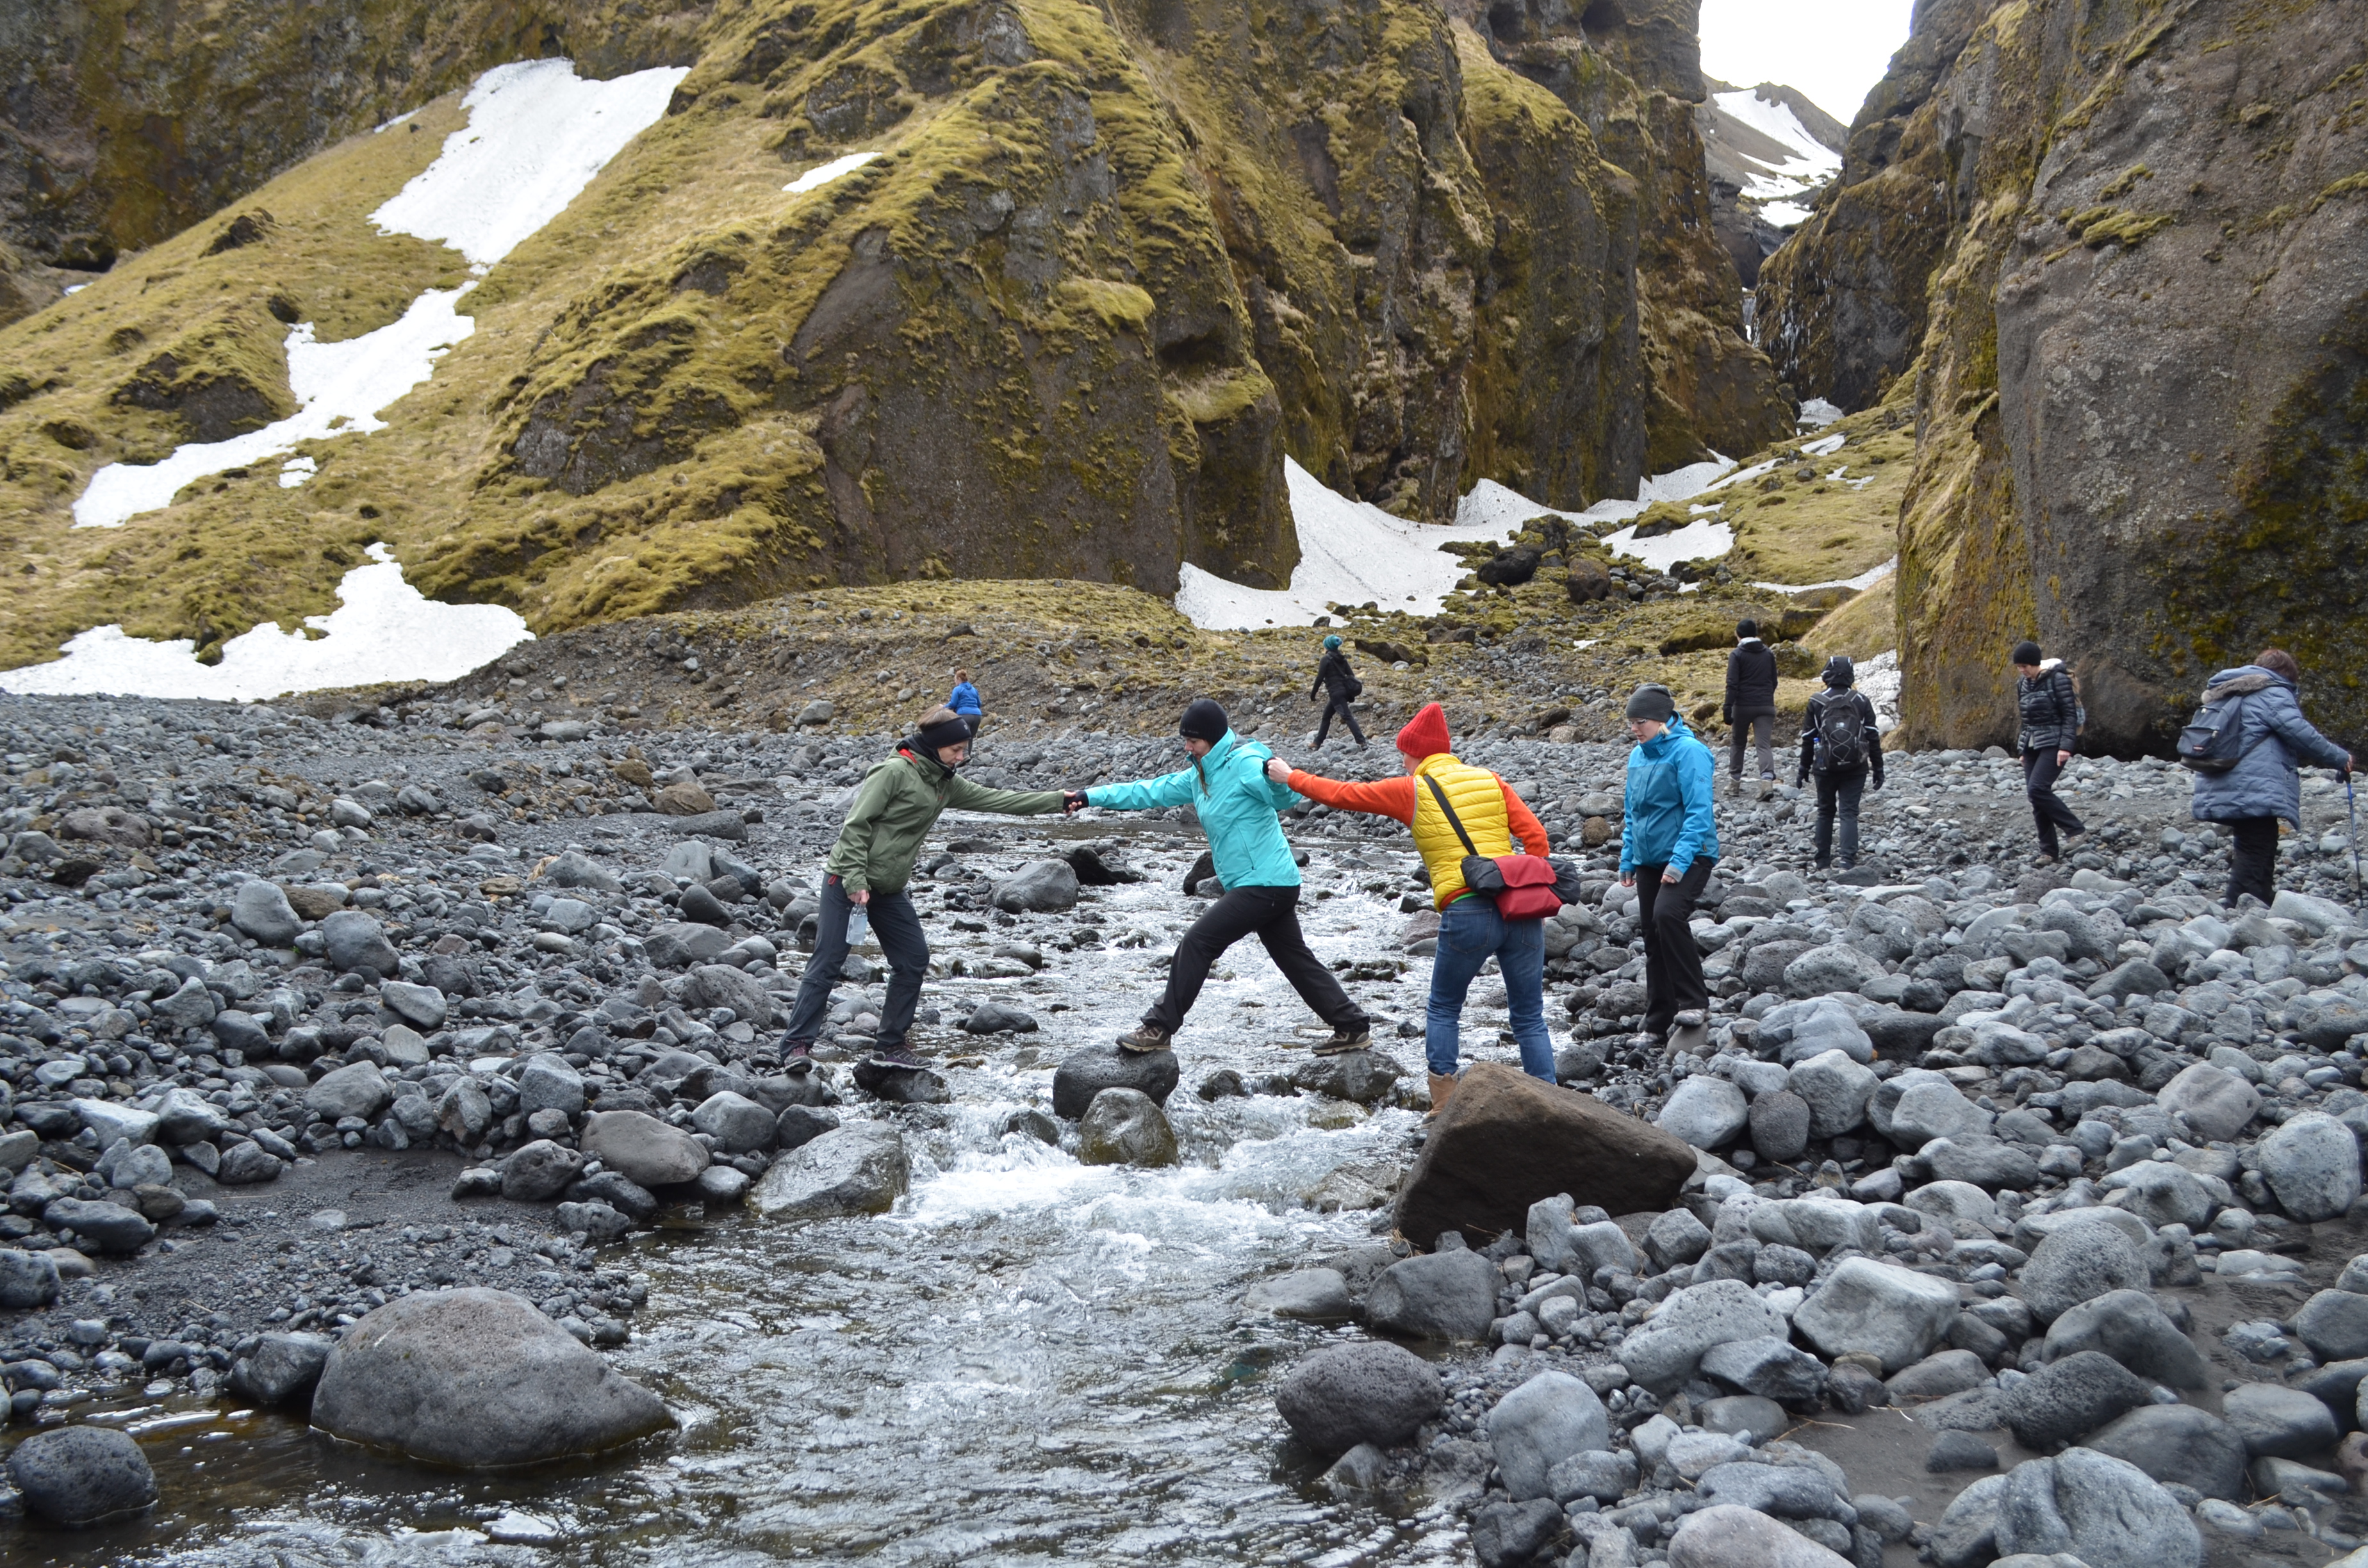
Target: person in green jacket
894, 809
1238, 807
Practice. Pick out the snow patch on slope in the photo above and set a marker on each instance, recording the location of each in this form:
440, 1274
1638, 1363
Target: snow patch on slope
536, 136
382, 630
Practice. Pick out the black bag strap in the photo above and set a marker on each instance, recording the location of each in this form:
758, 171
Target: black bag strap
1452, 820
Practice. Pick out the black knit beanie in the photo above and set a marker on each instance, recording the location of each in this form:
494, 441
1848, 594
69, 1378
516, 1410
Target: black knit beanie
940, 728
1747, 627
1203, 720
2026, 654
1652, 702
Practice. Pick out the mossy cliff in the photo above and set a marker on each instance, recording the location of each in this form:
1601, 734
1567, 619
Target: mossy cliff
2141, 379
124, 121
1107, 269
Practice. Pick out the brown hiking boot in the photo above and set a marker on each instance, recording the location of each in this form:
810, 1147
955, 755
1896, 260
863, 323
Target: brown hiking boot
1442, 1087
1144, 1038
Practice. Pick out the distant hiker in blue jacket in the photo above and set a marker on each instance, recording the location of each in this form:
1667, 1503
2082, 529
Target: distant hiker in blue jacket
2274, 741
1237, 805
964, 700
1669, 847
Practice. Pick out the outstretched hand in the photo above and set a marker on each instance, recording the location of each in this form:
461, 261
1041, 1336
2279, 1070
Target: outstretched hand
1277, 770
1073, 802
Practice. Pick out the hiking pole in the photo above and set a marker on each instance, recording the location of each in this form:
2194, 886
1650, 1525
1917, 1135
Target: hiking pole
2351, 813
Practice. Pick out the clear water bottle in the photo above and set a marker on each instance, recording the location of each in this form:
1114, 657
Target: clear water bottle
859, 927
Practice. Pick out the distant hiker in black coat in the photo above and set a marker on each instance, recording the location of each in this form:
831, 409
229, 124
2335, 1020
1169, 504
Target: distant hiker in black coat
1841, 744
1340, 685
2048, 707
1750, 703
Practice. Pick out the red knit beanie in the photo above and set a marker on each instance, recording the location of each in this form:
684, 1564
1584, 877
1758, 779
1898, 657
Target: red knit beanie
1425, 733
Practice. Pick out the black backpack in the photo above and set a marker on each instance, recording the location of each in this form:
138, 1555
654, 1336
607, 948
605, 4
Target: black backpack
2213, 741
1841, 732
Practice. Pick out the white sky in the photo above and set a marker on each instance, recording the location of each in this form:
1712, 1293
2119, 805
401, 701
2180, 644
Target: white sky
1834, 51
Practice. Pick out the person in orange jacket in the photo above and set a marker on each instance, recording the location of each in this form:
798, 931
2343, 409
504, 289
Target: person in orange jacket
1471, 932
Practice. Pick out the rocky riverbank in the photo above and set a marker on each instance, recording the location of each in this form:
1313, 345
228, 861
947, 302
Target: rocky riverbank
309, 1018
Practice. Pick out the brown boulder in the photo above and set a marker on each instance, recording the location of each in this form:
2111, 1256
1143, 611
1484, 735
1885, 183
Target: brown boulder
105, 825
1507, 1139
685, 800
1587, 581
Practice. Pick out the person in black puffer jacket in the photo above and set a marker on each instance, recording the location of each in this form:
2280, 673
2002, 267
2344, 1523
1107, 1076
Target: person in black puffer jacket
1840, 760
1750, 705
1340, 686
2050, 713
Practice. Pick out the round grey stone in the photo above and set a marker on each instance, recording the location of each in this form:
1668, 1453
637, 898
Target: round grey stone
1125, 1127
2080, 1263
82, 1475
1373, 1392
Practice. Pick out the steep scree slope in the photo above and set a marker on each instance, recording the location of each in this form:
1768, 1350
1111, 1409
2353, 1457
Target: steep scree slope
2130, 243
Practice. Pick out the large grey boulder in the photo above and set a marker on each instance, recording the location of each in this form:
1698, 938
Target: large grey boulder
1043, 887
642, 1149
2179, 1443
2163, 1193
675, 944
1086, 1073
721, 985
2277, 1422
1542, 1422
1314, 1295
2064, 1401
1369, 1393
1837, 966
2075, 1266
1835, 1088
1770, 1367
1896, 1314
356, 1089
110, 1119
1440, 1295
262, 911
1705, 1110
185, 1115
1727, 1535
1667, 1347
2104, 1511
421, 1004
860, 1168
2216, 1102
28, 1280
478, 1379
538, 1172
1785, 1492
98, 1225
2334, 1324
1933, 1108
356, 940
190, 1007
550, 1082
1125, 1127
738, 1124
78, 1476
2312, 1164
2130, 1328
281, 1369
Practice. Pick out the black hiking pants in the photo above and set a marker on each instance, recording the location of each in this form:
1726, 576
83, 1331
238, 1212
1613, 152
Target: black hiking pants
1673, 966
1339, 705
1273, 914
2253, 860
2047, 809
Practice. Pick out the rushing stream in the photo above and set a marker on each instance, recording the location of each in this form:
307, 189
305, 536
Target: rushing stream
1030, 1360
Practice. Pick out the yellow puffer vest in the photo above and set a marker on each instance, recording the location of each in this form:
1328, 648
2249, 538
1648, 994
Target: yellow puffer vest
1478, 797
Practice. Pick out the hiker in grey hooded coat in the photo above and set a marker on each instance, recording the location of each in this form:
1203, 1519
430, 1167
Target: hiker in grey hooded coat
2274, 741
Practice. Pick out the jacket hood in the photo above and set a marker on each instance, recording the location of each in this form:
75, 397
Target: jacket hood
1841, 672
1671, 733
1747, 641
2243, 679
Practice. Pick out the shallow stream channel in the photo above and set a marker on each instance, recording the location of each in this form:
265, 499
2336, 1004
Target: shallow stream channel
1029, 1359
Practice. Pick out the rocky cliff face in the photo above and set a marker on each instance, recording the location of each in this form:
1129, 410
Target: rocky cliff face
2143, 388
1107, 269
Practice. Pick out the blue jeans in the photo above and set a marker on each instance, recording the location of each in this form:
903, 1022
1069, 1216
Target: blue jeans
1471, 932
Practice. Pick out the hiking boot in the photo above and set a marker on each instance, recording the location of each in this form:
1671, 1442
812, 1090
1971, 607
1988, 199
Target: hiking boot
1144, 1038
1688, 1033
1442, 1087
897, 1055
797, 1056
1345, 1038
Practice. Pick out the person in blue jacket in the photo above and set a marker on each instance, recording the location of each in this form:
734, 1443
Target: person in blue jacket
964, 700
1669, 847
2274, 741
1238, 806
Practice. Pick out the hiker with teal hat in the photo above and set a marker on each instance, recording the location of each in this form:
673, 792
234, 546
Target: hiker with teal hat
1334, 676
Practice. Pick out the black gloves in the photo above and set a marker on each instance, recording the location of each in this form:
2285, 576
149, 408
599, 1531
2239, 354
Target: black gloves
1073, 802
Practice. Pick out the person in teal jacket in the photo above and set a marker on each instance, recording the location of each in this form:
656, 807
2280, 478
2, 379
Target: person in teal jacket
1669, 847
1239, 808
